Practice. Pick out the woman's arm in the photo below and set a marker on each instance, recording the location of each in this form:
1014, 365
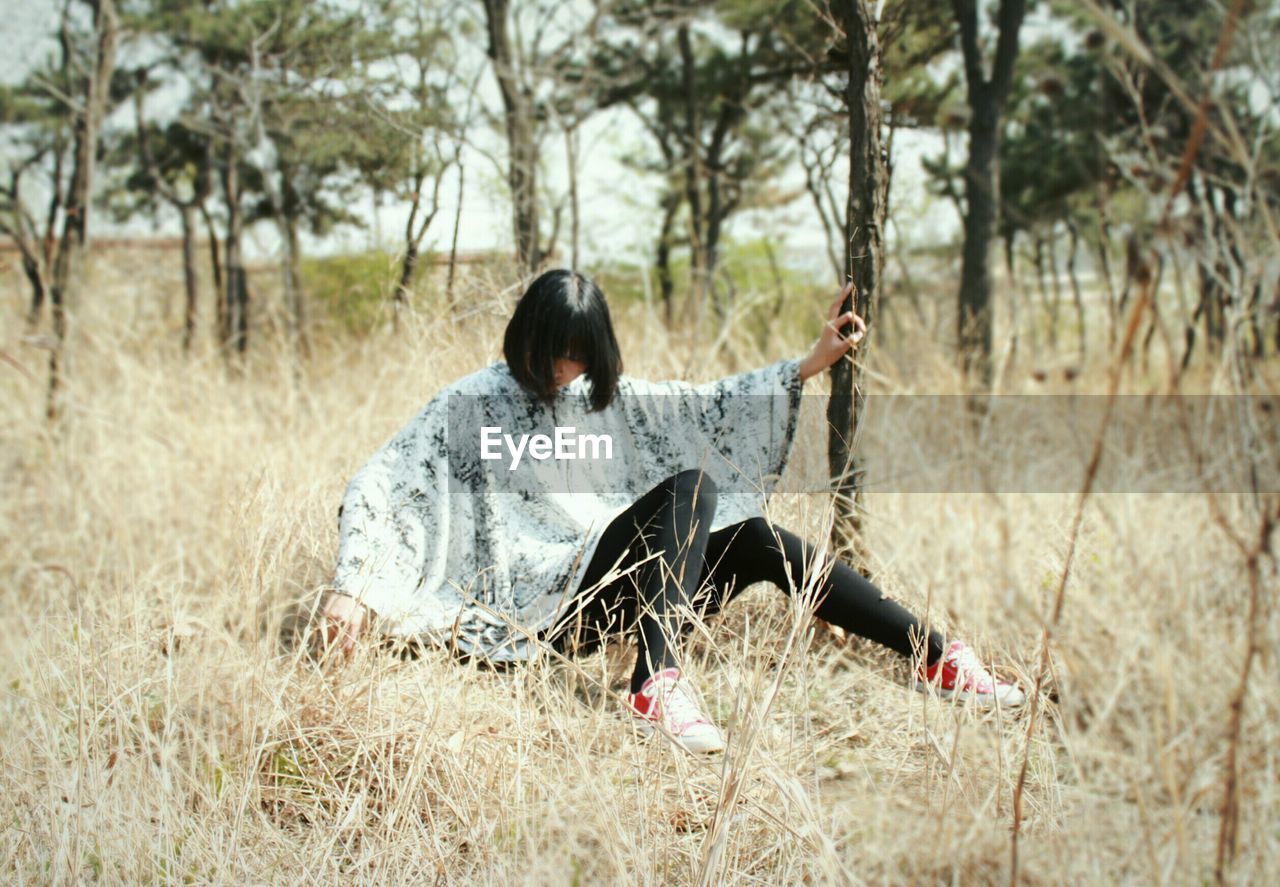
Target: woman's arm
831, 345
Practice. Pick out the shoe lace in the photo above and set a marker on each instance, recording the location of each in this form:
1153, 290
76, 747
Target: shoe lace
679, 710
971, 669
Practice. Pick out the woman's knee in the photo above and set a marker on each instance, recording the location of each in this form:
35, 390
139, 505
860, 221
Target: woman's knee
696, 486
757, 534
758, 550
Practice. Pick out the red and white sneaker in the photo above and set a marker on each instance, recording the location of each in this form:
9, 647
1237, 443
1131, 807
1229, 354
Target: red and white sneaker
667, 700
958, 674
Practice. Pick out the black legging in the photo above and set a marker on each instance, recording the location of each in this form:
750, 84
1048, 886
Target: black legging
673, 521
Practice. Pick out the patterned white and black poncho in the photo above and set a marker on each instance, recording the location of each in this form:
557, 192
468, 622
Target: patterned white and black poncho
445, 546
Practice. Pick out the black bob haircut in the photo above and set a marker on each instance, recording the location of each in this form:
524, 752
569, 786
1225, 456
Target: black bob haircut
563, 314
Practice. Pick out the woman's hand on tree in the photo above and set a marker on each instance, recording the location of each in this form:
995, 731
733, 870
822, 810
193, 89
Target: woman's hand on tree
832, 345
343, 618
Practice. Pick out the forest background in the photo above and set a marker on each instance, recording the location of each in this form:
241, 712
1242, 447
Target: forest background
1032, 198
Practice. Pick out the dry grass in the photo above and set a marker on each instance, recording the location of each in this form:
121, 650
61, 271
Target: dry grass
156, 725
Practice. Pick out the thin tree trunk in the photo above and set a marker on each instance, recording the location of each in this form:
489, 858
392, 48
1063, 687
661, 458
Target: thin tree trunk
711, 247
522, 168
976, 322
48, 246
190, 286
1055, 283
1210, 303
981, 175
215, 267
293, 282
453, 243
1190, 333
31, 268
415, 230
409, 264
68, 270
571, 154
864, 240
1015, 291
236, 332
1104, 266
1038, 261
666, 285
692, 163
186, 208
407, 268
1073, 236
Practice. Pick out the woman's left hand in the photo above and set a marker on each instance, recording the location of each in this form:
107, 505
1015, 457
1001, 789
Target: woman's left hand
831, 345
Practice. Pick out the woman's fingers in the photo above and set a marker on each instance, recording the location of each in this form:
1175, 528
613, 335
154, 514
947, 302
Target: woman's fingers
835, 306
343, 620
833, 344
860, 325
839, 342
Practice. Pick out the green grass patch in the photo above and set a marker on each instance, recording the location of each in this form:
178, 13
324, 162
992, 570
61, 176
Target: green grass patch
353, 289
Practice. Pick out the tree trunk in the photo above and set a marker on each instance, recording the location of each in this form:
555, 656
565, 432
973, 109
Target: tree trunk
1073, 236
522, 168
670, 205
236, 332
407, 268
1015, 291
293, 285
864, 257
571, 154
48, 243
1104, 266
981, 175
711, 245
976, 322
1041, 289
215, 268
1211, 296
692, 163
68, 269
188, 214
1055, 282
31, 268
453, 244
409, 264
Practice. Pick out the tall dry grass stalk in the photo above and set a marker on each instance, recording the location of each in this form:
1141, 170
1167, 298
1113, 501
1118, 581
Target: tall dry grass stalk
157, 724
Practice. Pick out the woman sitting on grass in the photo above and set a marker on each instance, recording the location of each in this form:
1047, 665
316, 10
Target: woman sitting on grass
465, 529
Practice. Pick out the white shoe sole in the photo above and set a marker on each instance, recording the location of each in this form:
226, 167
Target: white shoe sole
700, 745
1011, 697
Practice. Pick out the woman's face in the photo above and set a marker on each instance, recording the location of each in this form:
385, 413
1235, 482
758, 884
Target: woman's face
566, 370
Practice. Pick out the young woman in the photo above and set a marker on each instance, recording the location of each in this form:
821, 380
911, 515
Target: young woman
497, 521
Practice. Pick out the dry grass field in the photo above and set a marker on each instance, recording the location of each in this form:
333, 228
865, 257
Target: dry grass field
158, 724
